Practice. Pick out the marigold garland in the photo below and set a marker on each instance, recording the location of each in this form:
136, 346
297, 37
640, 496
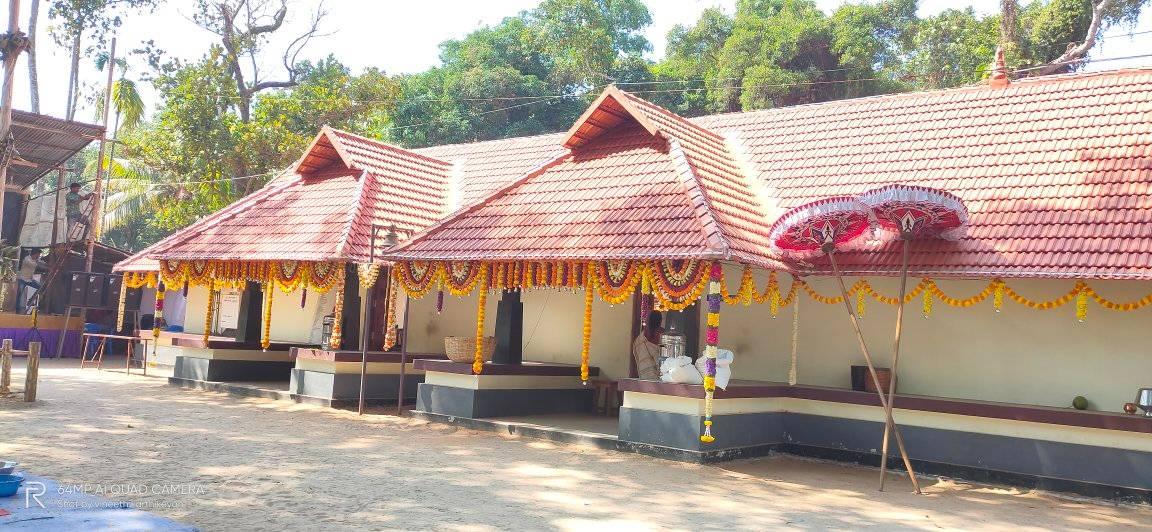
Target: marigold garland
390, 319
337, 320
208, 314
712, 339
368, 273
586, 343
140, 279
158, 315
676, 285
482, 301
266, 337
120, 308
289, 275
617, 279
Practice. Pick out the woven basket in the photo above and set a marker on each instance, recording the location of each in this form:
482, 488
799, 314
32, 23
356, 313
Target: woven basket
463, 348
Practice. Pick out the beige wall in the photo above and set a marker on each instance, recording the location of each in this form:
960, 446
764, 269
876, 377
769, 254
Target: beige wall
553, 322
1020, 355
290, 323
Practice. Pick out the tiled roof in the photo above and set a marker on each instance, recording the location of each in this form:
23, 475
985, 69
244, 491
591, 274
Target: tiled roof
341, 188
482, 167
639, 182
1056, 172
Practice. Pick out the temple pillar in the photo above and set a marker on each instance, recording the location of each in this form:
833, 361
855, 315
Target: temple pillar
509, 329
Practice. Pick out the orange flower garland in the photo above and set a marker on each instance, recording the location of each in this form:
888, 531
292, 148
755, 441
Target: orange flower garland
337, 320
208, 314
617, 279
478, 356
390, 320
586, 345
266, 338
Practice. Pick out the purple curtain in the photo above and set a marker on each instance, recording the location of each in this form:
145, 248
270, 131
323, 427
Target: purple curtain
49, 338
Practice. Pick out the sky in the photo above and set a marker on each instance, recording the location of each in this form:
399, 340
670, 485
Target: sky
398, 36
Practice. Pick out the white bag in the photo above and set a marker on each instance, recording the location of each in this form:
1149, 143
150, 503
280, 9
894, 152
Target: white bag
680, 370
724, 358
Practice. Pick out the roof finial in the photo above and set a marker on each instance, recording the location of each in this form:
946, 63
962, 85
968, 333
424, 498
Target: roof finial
999, 71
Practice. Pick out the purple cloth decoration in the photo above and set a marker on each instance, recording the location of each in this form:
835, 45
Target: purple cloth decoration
21, 336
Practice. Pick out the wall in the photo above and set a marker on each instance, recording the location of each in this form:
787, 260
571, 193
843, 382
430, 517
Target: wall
290, 323
553, 322
1020, 355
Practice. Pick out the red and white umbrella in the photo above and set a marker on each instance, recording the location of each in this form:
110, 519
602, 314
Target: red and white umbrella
813, 227
911, 213
915, 212
820, 227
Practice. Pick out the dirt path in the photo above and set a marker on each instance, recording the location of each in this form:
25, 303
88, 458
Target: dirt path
249, 464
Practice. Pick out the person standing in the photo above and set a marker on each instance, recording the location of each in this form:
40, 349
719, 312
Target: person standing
72, 207
27, 278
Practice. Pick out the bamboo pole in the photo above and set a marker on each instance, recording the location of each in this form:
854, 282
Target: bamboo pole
871, 368
32, 375
6, 366
888, 420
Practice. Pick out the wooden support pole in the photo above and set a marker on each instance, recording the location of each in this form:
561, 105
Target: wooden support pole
6, 366
32, 375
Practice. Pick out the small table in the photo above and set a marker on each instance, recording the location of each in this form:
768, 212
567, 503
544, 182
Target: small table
98, 356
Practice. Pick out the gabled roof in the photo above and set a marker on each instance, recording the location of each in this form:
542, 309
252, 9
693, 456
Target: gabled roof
325, 210
639, 182
1056, 171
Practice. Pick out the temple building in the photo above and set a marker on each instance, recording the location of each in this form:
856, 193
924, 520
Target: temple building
555, 246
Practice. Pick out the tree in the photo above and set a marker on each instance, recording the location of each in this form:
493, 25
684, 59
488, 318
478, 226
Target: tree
33, 74
244, 27
94, 17
529, 74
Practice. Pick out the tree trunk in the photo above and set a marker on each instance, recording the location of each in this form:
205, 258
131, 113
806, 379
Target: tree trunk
74, 79
33, 79
1008, 10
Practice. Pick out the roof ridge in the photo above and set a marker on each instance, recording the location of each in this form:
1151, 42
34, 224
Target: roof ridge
975, 87
354, 214
710, 227
388, 146
559, 157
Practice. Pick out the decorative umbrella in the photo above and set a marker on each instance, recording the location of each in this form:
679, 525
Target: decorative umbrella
911, 212
820, 227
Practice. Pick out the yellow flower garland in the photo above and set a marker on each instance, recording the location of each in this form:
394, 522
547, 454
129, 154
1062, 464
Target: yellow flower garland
478, 355
390, 319
337, 320
586, 343
266, 338
208, 314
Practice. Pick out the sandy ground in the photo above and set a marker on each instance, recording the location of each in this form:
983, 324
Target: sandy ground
255, 464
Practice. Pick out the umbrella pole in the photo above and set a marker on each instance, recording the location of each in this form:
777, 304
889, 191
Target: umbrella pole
888, 420
365, 308
871, 368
